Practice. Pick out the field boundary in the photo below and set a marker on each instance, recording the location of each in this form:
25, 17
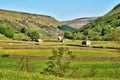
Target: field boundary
64, 58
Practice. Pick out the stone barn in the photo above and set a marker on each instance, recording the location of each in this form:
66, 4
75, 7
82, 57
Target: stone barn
86, 42
61, 39
39, 40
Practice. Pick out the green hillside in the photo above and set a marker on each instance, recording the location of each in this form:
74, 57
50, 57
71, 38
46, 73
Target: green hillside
101, 28
115, 10
45, 25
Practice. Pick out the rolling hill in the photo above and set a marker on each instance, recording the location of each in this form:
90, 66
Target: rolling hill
80, 22
45, 25
103, 26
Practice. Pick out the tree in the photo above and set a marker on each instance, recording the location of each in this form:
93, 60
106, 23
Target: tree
106, 30
7, 30
75, 36
23, 30
34, 35
68, 34
66, 27
92, 35
80, 36
2, 29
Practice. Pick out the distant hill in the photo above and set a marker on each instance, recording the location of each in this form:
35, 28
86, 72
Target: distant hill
45, 25
102, 27
80, 22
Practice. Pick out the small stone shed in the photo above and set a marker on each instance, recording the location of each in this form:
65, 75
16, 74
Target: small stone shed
40, 40
86, 42
61, 39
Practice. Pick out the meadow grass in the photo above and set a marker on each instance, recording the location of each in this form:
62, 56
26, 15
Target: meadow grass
105, 69
48, 52
103, 43
10, 44
15, 75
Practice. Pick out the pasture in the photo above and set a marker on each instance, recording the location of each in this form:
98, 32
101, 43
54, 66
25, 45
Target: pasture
105, 69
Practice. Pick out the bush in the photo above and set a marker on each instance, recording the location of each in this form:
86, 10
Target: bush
20, 36
23, 30
6, 29
9, 32
68, 34
34, 35
58, 67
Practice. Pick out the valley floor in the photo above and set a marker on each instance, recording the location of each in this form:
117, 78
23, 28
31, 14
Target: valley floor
106, 69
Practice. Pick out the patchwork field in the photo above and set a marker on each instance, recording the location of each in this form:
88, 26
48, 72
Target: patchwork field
104, 69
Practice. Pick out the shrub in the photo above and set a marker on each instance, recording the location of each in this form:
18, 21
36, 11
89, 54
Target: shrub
34, 35
6, 29
23, 30
57, 66
68, 34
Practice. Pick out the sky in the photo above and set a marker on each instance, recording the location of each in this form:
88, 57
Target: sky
61, 9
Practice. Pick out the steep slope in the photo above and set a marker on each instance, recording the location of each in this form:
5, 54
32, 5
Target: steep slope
115, 10
45, 25
103, 26
78, 23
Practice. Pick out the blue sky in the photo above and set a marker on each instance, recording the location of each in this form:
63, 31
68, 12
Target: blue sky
61, 9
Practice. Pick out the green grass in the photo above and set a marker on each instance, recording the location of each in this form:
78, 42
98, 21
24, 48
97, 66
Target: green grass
91, 53
28, 52
48, 52
32, 48
68, 42
21, 36
105, 44
94, 53
2, 37
105, 69
73, 45
14, 75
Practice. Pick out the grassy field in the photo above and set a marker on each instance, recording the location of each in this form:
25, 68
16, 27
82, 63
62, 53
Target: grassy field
14, 75
106, 69
48, 52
